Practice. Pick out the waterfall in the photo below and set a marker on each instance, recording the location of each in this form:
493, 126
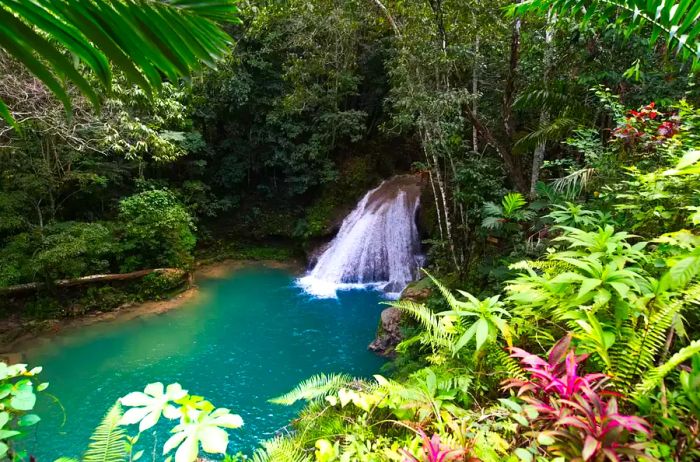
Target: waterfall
378, 244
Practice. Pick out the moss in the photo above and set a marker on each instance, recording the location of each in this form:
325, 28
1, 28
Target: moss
357, 175
320, 217
243, 250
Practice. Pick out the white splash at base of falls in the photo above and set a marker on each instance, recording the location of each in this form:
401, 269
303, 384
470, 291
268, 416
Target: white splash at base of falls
377, 247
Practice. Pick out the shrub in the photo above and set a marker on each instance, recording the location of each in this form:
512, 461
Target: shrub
158, 231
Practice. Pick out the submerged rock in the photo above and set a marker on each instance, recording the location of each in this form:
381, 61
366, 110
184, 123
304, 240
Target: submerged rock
388, 333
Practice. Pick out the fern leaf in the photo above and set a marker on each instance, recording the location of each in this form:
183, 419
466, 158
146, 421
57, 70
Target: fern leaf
634, 353
108, 442
313, 388
421, 313
653, 378
280, 449
510, 365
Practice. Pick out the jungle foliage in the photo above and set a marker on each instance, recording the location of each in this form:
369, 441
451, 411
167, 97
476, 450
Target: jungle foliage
560, 144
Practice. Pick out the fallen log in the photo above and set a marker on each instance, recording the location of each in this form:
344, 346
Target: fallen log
95, 278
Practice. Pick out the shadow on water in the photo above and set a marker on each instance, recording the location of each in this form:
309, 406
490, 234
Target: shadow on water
253, 336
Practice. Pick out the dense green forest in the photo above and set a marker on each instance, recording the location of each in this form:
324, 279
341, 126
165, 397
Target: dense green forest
558, 142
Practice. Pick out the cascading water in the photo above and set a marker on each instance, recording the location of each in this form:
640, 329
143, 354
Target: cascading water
378, 244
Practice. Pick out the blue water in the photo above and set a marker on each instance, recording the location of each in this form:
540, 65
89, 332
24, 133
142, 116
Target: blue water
248, 338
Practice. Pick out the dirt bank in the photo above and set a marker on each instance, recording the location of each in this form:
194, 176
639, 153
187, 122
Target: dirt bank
20, 335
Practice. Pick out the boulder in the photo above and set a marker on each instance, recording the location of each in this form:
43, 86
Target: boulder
388, 333
417, 293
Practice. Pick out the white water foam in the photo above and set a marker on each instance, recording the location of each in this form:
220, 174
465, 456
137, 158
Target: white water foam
377, 247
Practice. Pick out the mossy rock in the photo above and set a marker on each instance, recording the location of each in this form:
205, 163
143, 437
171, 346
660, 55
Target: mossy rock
418, 291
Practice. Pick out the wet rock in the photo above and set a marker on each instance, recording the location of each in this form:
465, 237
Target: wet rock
416, 293
388, 333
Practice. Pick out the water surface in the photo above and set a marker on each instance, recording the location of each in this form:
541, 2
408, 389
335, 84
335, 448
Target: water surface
248, 338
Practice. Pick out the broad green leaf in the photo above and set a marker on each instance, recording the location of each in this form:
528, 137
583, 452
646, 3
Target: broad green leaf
482, 332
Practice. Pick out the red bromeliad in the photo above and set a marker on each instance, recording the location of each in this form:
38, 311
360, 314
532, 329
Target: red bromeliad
556, 375
574, 411
434, 451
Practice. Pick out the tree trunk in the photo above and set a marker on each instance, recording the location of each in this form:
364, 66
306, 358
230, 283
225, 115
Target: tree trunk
504, 151
428, 145
389, 17
538, 156
95, 278
509, 91
475, 89
437, 201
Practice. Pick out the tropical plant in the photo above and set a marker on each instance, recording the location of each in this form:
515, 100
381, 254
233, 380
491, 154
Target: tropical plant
473, 319
574, 183
557, 374
280, 449
434, 450
199, 424
655, 376
109, 441
314, 388
675, 21
509, 213
576, 216
145, 40
575, 418
17, 400
158, 230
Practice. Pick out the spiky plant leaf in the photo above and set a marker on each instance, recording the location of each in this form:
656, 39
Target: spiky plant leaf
313, 388
653, 378
554, 130
108, 442
145, 40
634, 354
512, 202
434, 334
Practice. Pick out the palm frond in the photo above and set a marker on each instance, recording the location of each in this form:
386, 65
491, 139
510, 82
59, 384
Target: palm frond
554, 130
572, 184
491, 208
146, 40
108, 442
677, 21
492, 222
653, 378
544, 99
511, 367
512, 202
313, 388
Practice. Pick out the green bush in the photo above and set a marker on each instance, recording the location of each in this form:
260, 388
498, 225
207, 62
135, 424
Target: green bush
158, 231
57, 251
157, 285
